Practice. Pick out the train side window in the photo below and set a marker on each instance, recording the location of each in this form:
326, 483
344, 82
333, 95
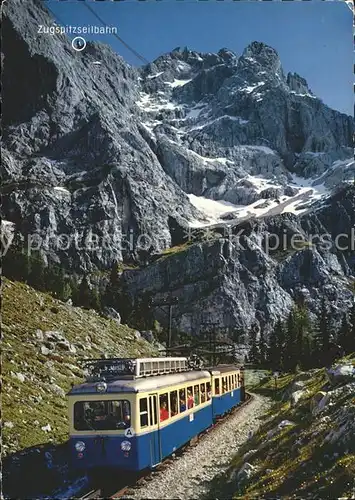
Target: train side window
208, 391
190, 397
163, 405
173, 403
224, 384
238, 380
235, 381
216, 385
143, 411
153, 410
196, 395
182, 400
203, 392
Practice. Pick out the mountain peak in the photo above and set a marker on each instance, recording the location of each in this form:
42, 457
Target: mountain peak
263, 54
259, 49
226, 54
298, 84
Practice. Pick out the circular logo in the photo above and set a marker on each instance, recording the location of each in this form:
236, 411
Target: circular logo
129, 432
101, 386
126, 445
78, 43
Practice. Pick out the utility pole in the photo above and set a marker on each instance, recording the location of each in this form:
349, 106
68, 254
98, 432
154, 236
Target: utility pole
170, 322
211, 330
170, 303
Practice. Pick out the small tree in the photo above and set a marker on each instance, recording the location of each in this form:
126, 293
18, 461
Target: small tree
15, 262
254, 352
84, 294
351, 338
95, 301
37, 274
113, 287
262, 348
291, 352
322, 335
66, 292
346, 334
276, 346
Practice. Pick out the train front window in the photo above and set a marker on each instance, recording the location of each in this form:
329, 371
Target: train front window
102, 415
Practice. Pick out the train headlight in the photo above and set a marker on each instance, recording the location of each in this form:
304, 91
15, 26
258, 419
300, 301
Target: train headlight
80, 446
125, 446
101, 387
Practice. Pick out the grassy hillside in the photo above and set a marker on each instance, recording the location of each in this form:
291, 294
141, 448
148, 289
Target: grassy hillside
43, 340
304, 448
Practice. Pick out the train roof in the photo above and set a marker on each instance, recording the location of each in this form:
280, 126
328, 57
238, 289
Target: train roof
220, 369
147, 384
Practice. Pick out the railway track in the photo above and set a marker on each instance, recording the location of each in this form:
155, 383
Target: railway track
111, 491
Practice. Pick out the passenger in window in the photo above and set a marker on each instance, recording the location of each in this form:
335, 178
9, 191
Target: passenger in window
197, 396
209, 392
182, 404
164, 414
203, 393
182, 399
173, 404
190, 399
216, 386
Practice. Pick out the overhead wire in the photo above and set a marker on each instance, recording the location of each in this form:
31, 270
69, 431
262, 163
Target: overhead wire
131, 49
139, 56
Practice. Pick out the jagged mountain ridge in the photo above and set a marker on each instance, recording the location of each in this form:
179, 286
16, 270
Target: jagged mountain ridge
216, 120
78, 156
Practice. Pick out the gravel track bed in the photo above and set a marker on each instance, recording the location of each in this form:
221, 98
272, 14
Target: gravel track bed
189, 476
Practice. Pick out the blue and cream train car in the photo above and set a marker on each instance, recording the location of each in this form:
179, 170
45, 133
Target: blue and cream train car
228, 389
131, 414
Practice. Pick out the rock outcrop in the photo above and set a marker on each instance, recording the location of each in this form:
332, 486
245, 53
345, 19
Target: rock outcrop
242, 279
301, 450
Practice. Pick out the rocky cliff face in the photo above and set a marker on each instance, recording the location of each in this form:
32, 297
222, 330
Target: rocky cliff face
256, 272
75, 160
106, 155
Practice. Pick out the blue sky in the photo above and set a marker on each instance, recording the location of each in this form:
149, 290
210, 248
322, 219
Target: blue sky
313, 38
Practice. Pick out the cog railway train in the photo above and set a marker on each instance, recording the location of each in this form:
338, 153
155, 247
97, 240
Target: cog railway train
132, 413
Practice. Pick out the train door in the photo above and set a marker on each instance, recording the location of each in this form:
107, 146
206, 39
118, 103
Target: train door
155, 444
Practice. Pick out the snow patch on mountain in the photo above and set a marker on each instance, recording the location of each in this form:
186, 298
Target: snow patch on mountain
213, 209
150, 104
177, 83
61, 190
303, 95
250, 88
151, 77
224, 117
